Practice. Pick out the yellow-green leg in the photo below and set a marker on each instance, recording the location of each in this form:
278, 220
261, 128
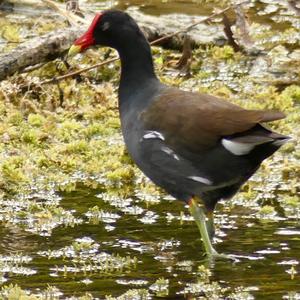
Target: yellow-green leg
210, 224
197, 212
205, 224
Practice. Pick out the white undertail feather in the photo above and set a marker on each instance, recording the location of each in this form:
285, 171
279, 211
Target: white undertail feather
237, 148
281, 142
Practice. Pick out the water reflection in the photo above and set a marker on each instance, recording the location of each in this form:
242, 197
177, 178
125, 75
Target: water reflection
268, 254
14, 239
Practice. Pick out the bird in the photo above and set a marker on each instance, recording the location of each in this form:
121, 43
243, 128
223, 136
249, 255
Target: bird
197, 147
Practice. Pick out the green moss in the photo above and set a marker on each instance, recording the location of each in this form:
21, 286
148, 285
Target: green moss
30, 136
67, 130
132, 294
12, 170
36, 120
94, 130
77, 147
267, 210
225, 52
15, 118
11, 33
292, 94
223, 92
121, 174
14, 292
293, 202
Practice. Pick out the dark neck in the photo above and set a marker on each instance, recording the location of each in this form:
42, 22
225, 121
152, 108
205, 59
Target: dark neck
136, 68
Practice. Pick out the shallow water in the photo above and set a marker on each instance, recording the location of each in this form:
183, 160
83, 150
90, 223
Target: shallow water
154, 245
267, 251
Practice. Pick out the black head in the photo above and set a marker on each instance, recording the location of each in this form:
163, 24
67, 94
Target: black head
111, 28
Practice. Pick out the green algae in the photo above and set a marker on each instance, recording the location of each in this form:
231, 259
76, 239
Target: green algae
14, 292
10, 32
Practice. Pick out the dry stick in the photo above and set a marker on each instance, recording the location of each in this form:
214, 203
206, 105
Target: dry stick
58, 78
159, 40
73, 6
229, 34
72, 18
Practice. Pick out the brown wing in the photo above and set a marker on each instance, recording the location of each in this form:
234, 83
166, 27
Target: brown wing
198, 121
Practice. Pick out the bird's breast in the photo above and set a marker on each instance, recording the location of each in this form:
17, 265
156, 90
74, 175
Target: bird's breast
132, 130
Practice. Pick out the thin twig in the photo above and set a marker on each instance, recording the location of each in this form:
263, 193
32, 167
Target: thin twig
33, 68
229, 34
73, 6
58, 78
71, 17
159, 40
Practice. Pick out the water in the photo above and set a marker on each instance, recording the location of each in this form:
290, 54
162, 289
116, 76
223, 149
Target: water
151, 243
168, 248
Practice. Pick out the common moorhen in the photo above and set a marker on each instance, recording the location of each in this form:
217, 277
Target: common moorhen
197, 147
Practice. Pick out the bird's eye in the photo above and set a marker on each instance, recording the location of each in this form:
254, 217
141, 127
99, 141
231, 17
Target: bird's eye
105, 26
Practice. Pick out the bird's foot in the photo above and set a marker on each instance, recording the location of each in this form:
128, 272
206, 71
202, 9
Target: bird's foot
214, 255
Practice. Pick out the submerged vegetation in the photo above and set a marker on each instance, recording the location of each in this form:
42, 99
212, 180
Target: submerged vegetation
67, 183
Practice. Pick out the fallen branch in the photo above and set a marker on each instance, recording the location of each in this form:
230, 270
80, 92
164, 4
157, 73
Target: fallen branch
37, 50
41, 49
54, 44
154, 42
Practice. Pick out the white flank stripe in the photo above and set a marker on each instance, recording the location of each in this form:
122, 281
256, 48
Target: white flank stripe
170, 152
153, 135
201, 179
237, 148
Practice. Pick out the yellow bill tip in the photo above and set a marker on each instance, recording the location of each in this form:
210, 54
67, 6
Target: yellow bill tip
74, 49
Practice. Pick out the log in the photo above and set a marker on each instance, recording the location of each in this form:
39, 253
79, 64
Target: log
54, 44
38, 50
